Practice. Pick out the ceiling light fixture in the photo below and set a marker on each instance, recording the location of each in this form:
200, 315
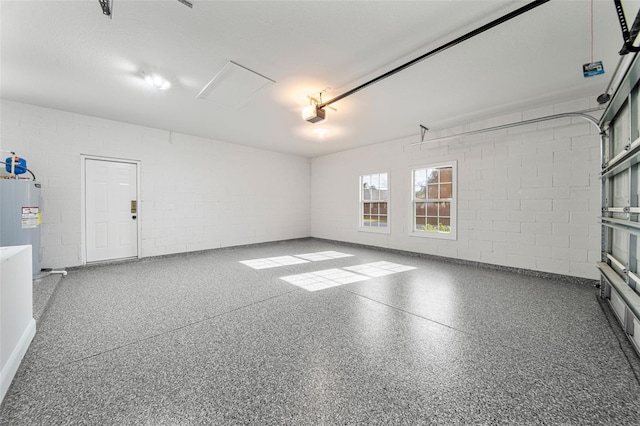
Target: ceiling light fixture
157, 81
314, 112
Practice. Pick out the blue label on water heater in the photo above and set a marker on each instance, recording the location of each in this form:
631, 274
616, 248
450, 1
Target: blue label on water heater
594, 68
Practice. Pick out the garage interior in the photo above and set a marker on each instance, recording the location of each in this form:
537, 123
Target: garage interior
323, 212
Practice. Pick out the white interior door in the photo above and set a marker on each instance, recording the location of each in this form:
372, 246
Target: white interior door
110, 210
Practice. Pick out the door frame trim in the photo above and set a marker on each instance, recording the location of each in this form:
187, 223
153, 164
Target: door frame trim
83, 201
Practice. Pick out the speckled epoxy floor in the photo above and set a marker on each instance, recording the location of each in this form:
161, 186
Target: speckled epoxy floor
205, 339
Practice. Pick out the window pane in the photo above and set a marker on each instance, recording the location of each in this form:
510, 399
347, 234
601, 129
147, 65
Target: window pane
366, 220
420, 222
375, 181
621, 189
375, 208
384, 195
384, 181
445, 190
620, 245
366, 187
432, 220
366, 208
619, 248
383, 221
621, 131
432, 176
637, 289
446, 174
420, 209
637, 110
445, 209
635, 173
433, 192
432, 209
420, 183
445, 222
383, 208
373, 193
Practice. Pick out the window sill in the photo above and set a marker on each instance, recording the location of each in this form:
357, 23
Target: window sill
374, 230
435, 235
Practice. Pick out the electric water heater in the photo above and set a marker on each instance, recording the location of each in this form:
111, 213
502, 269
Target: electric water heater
20, 216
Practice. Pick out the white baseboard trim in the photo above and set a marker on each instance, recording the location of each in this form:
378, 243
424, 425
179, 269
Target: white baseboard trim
11, 367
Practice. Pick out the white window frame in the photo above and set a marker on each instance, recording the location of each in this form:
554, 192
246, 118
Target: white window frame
453, 235
361, 201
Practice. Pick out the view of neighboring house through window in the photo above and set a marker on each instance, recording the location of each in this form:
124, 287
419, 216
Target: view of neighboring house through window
434, 210
374, 197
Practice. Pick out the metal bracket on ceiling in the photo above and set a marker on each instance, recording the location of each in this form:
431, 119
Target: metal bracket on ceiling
628, 34
423, 132
106, 9
318, 100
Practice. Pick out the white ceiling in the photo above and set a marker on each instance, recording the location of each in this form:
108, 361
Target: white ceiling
69, 56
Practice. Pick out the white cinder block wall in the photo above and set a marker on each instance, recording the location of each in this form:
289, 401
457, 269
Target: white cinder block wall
528, 197
196, 193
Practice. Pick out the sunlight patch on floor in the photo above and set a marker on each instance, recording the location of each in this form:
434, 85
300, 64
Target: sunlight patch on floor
379, 269
274, 262
323, 255
319, 280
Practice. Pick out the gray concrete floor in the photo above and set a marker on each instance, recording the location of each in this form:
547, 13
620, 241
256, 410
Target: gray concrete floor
205, 339
43, 289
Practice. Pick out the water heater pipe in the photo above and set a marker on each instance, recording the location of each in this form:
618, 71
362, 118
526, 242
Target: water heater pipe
13, 163
13, 174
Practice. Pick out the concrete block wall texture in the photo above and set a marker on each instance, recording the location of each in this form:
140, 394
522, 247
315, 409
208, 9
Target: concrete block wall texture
196, 193
528, 197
